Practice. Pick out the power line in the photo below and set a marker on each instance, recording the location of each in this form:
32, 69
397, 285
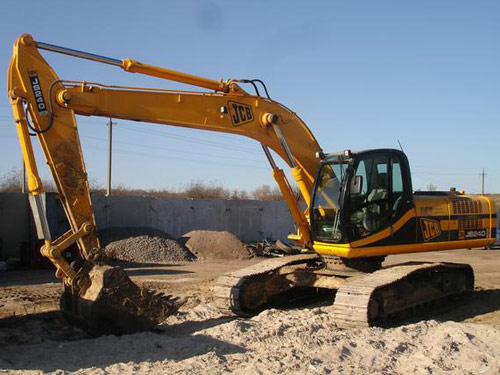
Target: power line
164, 128
176, 150
133, 127
216, 144
413, 166
443, 174
204, 155
189, 139
197, 161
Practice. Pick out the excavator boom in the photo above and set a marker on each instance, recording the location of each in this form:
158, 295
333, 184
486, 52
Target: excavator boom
228, 109
46, 105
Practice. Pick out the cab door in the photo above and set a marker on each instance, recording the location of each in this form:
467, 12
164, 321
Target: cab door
384, 195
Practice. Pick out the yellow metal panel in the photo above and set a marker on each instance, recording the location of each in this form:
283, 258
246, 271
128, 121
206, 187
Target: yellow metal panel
348, 252
449, 224
204, 111
385, 232
60, 144
431, 205
133, 66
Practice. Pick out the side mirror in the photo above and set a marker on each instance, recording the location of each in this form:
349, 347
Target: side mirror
356, 185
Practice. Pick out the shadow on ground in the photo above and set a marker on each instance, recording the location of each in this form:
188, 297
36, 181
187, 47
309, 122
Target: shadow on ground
479, 303
189, 327
154, 271
37, 328
27, 340
22, 276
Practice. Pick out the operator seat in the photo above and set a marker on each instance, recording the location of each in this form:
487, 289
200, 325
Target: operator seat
380, 188
375, 215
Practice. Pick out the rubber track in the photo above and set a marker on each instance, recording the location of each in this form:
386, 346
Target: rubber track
353, 299
227, 289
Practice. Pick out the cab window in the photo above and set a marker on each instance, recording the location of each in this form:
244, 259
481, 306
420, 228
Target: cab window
371, 209
397, 186
326, 203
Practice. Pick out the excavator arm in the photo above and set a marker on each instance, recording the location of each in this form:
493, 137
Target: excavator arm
58, 136
46, 105
271, 124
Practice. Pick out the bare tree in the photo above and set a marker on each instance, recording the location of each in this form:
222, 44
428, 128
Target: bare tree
431, 187
239, 194
96, 186
196, 189
11, 181
206, 190
267, 193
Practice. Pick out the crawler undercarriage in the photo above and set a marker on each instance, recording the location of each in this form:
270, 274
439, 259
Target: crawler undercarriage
366, 294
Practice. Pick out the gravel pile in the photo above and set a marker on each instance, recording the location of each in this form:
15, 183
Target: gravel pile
213, 245
142, 245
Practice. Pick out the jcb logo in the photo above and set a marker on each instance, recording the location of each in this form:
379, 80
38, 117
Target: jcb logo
240, 113
37, 92
430, 229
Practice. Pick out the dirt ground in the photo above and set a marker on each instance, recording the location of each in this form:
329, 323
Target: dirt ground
35, 339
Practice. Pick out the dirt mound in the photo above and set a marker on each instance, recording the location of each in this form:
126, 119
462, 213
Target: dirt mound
213, 245
305, 341
142, 245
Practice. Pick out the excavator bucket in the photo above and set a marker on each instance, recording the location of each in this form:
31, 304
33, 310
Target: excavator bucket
113, 304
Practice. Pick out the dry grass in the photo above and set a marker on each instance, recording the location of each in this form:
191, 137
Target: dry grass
196, 189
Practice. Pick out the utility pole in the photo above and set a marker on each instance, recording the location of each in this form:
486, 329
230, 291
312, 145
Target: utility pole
482, 181
110, 147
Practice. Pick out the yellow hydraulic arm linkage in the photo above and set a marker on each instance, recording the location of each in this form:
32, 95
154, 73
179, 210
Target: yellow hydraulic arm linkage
47, 105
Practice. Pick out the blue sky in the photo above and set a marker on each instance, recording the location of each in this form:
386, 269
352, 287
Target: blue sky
361, 74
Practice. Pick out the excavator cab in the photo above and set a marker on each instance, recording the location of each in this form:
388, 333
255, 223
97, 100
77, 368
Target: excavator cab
359, 194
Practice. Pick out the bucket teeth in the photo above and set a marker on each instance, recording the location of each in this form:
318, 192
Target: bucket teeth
113, 304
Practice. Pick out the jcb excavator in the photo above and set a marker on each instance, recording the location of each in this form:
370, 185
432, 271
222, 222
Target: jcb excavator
360, 205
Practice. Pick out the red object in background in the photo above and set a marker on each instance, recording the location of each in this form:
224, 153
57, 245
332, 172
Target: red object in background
31, 256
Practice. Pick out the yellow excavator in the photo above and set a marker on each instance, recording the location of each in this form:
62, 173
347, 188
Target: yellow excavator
360, 206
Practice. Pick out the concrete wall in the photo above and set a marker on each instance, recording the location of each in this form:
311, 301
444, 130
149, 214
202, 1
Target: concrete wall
15, 221
244, 218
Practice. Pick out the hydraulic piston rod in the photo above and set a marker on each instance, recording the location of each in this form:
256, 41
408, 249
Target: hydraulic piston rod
133, 66
80, 54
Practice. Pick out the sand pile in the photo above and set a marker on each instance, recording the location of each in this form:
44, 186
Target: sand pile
214, 245
142, 245
305, 341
